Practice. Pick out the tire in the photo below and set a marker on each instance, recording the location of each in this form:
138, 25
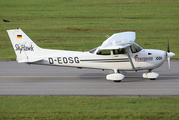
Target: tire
152, 78
117, 80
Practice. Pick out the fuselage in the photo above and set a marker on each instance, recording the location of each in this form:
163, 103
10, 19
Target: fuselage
123, 59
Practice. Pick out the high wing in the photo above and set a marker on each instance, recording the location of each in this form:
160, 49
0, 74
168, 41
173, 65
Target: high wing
119, 40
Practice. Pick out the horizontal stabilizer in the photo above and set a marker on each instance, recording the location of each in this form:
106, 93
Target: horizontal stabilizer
29, 60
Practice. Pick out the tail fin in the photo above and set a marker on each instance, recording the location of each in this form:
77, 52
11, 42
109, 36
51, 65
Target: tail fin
26, 50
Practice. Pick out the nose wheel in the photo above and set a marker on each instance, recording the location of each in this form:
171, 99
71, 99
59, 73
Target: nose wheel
150, 75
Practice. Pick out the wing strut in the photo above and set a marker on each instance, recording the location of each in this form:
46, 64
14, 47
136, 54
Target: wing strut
127, 50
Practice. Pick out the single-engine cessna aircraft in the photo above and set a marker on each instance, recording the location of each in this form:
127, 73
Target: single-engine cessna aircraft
118, 53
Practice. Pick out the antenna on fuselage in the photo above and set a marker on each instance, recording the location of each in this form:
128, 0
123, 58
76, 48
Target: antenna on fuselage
107, 36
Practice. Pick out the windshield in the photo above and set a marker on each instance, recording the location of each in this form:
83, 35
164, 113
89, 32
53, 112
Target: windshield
135, 48
93, 50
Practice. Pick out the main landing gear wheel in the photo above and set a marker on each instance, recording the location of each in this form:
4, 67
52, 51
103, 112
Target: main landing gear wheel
116, 77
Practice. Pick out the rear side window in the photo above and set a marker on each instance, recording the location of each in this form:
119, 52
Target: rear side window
104, 52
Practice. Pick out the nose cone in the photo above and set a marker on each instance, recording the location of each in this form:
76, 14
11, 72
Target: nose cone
170, 54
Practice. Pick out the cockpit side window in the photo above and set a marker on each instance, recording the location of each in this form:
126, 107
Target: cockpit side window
119, 51
135, 48
104, 52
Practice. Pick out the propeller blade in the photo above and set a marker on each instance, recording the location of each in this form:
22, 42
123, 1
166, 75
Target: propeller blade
169, 63
169, 55
168, 50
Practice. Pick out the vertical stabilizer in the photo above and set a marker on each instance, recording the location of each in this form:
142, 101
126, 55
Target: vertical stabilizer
23, 46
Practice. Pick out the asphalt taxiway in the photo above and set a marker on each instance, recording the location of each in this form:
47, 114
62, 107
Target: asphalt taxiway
23, 79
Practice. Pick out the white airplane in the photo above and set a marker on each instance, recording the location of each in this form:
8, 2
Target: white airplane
119, 53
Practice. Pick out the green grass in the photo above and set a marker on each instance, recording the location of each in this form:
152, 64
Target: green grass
83, 25
88, 108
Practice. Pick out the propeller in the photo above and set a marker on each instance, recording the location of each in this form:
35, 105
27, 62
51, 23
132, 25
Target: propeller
169, 55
